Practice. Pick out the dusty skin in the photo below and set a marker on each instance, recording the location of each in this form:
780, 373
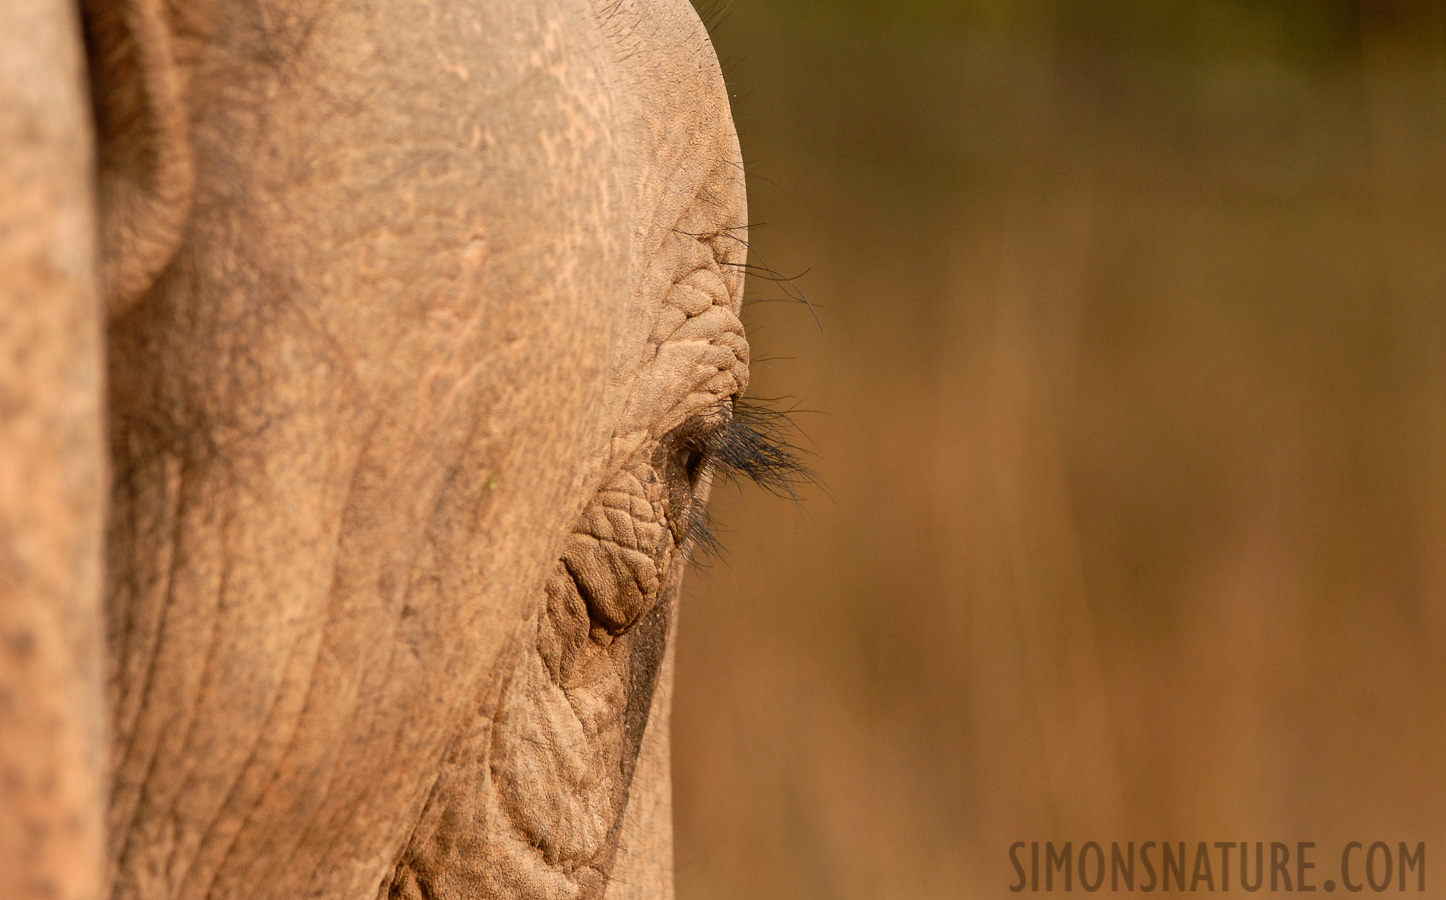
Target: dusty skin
404, 334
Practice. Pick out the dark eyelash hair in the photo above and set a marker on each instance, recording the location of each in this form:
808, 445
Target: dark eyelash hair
703, 543
756, 444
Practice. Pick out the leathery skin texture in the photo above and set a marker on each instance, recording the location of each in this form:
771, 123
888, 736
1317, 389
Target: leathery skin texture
562, 746
421, 318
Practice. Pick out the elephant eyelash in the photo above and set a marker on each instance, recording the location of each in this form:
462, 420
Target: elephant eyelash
754, 444
703, 542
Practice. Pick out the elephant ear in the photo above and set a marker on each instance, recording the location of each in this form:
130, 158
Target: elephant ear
146, 176
52, 466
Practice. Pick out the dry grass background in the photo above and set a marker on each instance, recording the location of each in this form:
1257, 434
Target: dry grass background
1132, 405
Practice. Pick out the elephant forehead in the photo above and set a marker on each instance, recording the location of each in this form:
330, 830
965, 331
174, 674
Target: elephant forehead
688, 210
673, 86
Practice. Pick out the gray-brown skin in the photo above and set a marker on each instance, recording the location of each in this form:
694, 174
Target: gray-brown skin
417, 313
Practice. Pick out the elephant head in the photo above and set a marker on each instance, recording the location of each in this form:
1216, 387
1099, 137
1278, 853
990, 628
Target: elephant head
423, 350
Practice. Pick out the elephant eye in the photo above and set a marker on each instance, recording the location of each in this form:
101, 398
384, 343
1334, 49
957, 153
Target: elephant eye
690, 460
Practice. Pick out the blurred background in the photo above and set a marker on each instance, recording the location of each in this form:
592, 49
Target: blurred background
1129, 396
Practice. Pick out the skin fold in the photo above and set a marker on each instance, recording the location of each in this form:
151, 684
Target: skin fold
421, 325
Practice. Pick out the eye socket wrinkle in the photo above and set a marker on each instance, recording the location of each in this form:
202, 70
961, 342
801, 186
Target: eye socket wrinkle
787, 284
744, 438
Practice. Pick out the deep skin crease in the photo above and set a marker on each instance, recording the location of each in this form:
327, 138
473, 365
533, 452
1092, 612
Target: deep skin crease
422, 350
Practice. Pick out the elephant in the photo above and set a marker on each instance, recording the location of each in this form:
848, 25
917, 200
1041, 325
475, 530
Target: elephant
364, 369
